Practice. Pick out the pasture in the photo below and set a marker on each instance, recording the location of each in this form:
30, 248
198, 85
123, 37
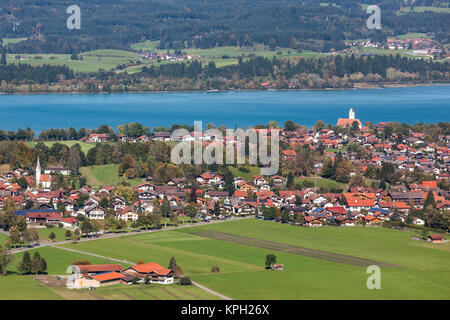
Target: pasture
421, 273
320, 263
103, 175
85, 147
92, 61
320, 182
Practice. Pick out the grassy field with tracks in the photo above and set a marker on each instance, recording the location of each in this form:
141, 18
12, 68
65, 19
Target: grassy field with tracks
410, 269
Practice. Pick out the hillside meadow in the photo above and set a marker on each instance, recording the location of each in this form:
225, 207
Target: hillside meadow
107, 174
85, 147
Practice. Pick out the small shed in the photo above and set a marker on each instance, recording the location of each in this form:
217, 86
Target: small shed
278, 267
436, 238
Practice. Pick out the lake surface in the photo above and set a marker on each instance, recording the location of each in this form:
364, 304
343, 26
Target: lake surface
41, 111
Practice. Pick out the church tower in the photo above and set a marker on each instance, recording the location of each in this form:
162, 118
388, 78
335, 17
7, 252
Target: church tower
351, 114
38, 173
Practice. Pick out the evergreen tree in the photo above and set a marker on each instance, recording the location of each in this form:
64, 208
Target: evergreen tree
216, 209
395, 216
36, 263
290, 180
3, 59
298, 201
5, 259
165, 209
193, 195
42, 265
429, 201
270, 259
228, 180
172, 263
25, 265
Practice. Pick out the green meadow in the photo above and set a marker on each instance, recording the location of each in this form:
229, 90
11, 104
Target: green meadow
85, 147
92, 61
423, 9
423, 272
7, 41
222, 56
3, 238
25, 288
44, 233
58, 260
103, 175
137, 292
252, 171
321, 182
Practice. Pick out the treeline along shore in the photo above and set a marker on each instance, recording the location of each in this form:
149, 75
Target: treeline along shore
256, 73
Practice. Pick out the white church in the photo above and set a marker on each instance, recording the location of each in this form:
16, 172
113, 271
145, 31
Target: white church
43, 181
344, 122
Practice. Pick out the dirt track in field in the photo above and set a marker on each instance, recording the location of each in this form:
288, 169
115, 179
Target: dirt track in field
51, 281
282, 247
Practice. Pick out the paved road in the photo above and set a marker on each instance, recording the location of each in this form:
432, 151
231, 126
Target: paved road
95, 255
221, 296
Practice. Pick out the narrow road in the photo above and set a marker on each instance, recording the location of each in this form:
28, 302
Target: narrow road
125, 234
109, 236
95, 255
221, 296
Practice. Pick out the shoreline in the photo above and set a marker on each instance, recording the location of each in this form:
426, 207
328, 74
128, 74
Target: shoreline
358, 86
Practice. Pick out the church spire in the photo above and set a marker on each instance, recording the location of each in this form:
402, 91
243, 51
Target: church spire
351, 114
38, 172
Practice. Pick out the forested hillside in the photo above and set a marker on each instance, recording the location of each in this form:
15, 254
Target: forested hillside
307, 24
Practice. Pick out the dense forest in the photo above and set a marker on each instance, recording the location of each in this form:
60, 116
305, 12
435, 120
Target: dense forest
35, 74
306, 24
330, 66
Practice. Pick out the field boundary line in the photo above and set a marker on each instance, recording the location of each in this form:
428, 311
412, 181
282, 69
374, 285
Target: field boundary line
293, 249
124, 234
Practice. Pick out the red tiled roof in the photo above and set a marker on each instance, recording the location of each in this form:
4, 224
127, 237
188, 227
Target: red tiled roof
347, 122
289, 153
108, 276
151, 267
429, 184
46, 178
337, 210
94, 268
401, 205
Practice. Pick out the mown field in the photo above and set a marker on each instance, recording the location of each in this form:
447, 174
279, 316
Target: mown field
44, 233
223, 56
105, 175
321, 183
423, 9
252, 171
424, 273
92, 60
85, 147
422, 269
3, 238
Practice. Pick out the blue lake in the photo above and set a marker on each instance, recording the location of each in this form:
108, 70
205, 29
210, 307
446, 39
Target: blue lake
41, 111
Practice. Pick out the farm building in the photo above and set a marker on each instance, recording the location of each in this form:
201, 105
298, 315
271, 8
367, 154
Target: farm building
435, 238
